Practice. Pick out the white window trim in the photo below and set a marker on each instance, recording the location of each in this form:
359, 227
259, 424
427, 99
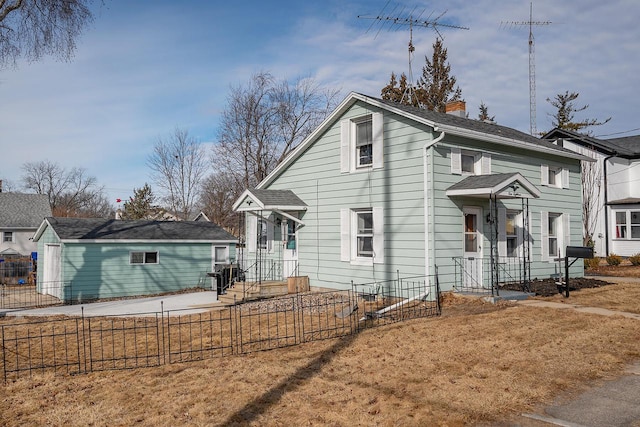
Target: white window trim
563, 236
252, 234
502, 232
11, 240
144, 258
226, 255
627, 225
348, 238
348, 154
481, 163
562, 176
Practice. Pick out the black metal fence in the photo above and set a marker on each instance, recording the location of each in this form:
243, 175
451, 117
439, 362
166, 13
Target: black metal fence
487, 274
27, 296
86, 344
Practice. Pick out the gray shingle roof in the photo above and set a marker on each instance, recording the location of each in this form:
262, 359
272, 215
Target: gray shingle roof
23, 210
475, 182
112, 229
628, 146
278, 198
444, 119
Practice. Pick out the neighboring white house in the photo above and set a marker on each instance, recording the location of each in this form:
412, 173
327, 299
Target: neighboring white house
20, 217
616, 228
380, 189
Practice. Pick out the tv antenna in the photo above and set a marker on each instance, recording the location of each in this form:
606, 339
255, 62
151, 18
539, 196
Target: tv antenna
532, 64
399, 18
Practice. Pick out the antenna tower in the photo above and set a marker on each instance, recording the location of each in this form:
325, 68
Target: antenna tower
397, 19
532, 64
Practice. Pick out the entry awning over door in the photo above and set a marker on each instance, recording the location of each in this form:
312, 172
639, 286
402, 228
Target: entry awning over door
500, 186
280, 201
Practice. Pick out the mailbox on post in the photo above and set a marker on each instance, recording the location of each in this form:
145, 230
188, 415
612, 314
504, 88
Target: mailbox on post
576, 252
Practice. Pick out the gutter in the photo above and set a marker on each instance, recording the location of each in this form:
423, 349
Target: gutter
606, 204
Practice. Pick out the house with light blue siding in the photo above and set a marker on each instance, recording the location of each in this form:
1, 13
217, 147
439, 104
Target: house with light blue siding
381, 190
86, 259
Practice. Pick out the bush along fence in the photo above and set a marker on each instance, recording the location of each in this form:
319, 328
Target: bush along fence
88, 344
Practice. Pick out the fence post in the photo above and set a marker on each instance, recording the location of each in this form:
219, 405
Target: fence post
164, 347
4, 356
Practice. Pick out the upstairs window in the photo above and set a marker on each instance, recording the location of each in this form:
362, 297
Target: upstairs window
553, 176
364, 143
465, 162
361, 143
7, 236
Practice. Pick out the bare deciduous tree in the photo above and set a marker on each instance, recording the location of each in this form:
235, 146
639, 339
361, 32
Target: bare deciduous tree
178, 166
591, 206
34, 28
264, 121
219, 192
71, 192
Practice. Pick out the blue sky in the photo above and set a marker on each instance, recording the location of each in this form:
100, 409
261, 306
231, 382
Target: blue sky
145, 67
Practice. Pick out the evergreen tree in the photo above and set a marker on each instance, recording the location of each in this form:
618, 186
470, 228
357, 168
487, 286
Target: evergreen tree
398, 91
141, 205
483, 115
565, 114
433, 90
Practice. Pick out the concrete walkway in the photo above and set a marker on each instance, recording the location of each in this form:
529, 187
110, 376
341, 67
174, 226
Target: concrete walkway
189, 303
613, 403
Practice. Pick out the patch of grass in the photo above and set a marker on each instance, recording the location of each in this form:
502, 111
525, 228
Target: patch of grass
477, 363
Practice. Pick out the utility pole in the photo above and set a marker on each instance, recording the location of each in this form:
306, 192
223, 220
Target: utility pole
532, 64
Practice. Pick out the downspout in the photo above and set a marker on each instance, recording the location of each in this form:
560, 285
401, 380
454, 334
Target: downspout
428, 201
606, 207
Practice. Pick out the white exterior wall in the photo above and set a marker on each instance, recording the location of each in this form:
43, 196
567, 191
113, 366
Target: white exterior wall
22, 242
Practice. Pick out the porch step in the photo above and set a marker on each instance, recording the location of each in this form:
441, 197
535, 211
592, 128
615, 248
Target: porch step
244, 291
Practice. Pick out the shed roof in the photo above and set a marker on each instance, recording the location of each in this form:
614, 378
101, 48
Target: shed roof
100, 229
19, 210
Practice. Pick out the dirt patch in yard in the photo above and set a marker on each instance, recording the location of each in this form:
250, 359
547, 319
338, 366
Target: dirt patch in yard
548, 287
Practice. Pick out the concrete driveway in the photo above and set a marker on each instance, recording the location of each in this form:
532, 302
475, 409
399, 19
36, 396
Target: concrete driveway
190, 303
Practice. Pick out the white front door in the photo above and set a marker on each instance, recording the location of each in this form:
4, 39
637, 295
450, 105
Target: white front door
51, 278
290, 250
472, 274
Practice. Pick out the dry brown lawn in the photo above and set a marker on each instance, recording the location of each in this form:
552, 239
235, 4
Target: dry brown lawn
477, 363
619, 297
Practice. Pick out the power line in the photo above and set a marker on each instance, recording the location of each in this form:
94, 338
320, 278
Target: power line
618, 133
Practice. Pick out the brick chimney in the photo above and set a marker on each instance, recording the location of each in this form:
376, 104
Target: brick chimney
457, 108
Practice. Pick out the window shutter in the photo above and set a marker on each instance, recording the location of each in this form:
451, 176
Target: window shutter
544, 235
345, 235
377, 130
252, 233
456, 161
378, 235
544, 175
566, 233
502, 232
345, 128
565, 178
486, 164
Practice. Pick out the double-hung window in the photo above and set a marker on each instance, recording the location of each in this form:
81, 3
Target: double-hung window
364, 143
554, 230
466, 162
553, 176
364, 233
555, 234
362, 236
262, 233
621, 225
511, 233
361, 143
7, 236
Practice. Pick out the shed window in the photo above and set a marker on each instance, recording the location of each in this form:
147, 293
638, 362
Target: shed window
143, 257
